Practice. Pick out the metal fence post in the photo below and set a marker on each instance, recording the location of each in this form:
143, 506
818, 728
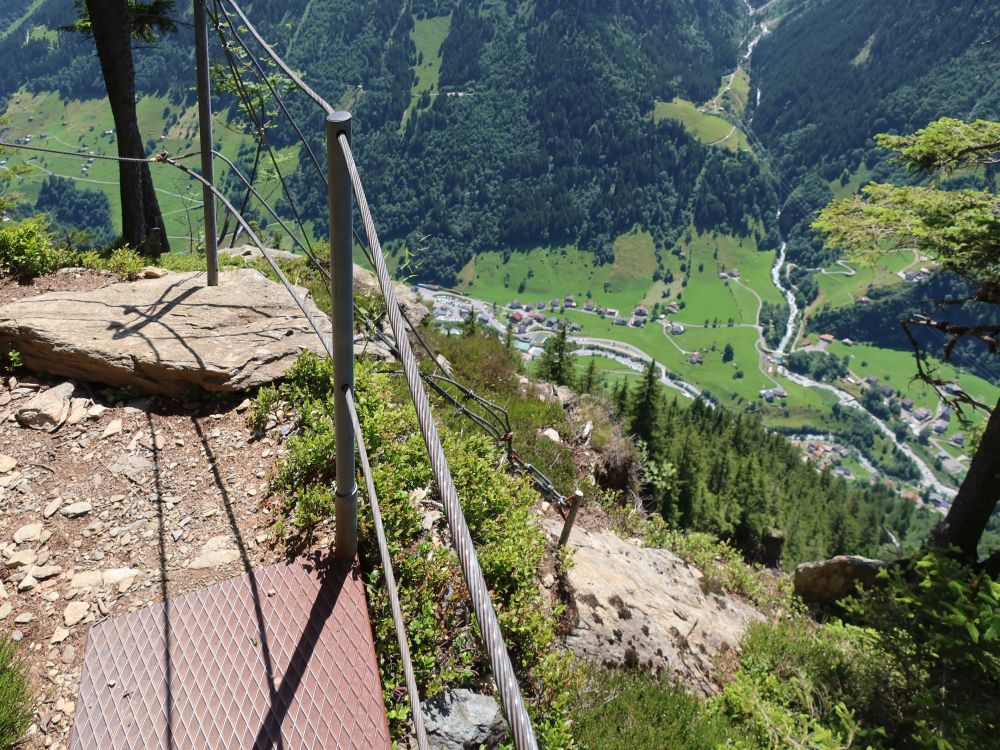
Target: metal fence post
341, 200
207, 144
571, 518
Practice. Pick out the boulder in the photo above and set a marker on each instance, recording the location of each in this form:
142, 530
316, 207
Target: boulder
646, 608
48, 409
462, 720
252, 252
166, 335
552, 435
828, 581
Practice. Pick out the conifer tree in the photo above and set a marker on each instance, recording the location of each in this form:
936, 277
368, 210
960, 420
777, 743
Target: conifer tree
645, 409
589, 377
555, 364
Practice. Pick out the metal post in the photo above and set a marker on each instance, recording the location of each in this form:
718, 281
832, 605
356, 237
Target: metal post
341, 200
207, 144
571, 518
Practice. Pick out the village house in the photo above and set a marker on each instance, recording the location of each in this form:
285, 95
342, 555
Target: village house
827, 338
569, 301
677, 329
922, 414
640, 311
589, 305
620, 321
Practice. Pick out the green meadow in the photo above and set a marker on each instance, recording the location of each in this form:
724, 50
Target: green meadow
82, 126
702, 126
428, 35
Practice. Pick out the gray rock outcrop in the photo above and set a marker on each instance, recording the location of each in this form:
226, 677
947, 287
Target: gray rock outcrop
645, 608
252, 252
462, 720
828, 581
166, 335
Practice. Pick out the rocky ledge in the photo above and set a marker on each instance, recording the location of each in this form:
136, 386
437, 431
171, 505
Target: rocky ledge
646, 608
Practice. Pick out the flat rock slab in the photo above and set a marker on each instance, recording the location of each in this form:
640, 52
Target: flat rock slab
646, 608
166, 335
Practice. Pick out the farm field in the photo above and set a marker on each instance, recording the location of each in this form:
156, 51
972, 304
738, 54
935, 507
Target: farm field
838, 288
83, 126
428, 35
704, 127
545, 273
896, 368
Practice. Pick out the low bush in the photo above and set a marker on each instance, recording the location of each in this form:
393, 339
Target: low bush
443, 635
15, 700
618, 710
26, 250
937, 624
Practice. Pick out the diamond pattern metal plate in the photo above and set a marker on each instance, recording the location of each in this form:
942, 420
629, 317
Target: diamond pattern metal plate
279, 658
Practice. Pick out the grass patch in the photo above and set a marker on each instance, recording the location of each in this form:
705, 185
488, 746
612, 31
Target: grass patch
701, 125
15, 700
428, 36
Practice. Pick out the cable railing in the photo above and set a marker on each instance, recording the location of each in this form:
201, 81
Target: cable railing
344, 185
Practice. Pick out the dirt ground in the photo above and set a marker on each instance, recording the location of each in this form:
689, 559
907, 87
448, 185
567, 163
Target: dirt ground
135, 503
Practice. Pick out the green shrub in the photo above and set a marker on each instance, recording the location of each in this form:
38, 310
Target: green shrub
444, 641
26, 250
15, 700
618, 710
798, 684
937, 622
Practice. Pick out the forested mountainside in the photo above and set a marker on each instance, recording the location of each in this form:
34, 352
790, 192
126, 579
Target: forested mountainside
524, 124
835, 72
831, 74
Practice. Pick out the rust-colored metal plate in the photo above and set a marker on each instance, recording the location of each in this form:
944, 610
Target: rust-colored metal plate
280, 658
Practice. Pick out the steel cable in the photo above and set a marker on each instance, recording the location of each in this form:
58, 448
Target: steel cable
390, 579
503, 669
303, 87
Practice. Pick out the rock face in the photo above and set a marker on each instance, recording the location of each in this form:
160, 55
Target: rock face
645, 608
463, 720
366, 284
827, 581
166, 335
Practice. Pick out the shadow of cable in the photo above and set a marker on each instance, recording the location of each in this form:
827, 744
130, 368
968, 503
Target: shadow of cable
333, 575
273, 693
164, 586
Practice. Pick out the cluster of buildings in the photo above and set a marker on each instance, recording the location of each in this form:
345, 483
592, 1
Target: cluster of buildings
772, 394
828, 456
913, 277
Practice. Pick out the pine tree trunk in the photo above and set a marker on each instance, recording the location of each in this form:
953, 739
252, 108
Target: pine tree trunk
142, 222
977, 497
